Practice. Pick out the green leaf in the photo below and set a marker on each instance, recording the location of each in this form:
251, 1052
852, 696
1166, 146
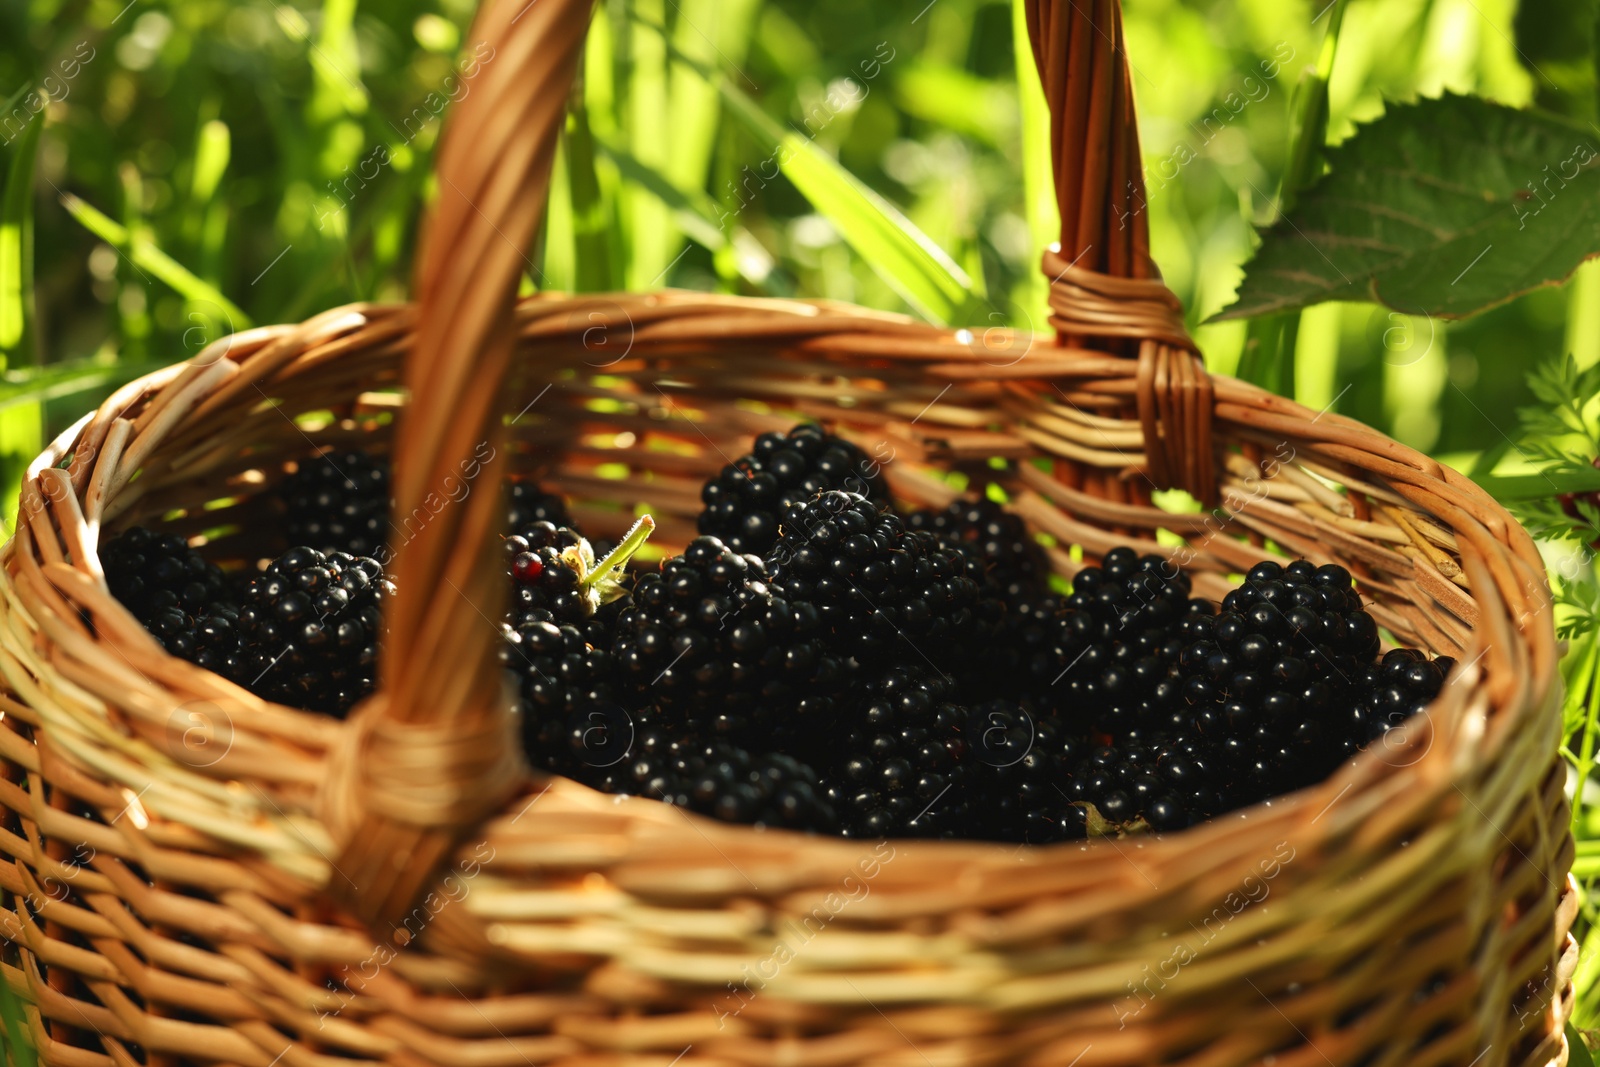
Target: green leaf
1442, 208
1578, 1054
708, 31
901, 254
145, 255
1511, 487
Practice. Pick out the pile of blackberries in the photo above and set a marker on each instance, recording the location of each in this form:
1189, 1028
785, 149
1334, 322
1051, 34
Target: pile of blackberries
819, 661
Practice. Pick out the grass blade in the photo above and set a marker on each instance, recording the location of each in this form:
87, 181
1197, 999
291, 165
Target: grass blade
21, 430
36, 385
906, 259
712, 33
1269, 349
591, 221
19, 1053
16, 252
147, 256
650, 228
1038, 177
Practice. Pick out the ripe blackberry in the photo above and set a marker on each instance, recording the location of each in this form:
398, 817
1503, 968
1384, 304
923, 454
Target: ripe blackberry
723, 781
884, 592
309, 627
723, 655
901, 770
338, 502
1271, 669
1017, 772
1171, 782
559, 632
746, 502
1108, 657
151, 573
1391, 691
165, 584
997, 540
530, 504
545, 562
566, 686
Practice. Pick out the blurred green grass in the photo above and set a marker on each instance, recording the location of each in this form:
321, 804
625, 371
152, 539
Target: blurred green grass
281, 153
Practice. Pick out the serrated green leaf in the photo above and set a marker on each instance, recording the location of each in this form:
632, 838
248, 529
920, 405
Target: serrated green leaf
1443, 207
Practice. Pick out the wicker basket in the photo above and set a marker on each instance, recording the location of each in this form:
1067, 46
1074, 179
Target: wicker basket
198, 876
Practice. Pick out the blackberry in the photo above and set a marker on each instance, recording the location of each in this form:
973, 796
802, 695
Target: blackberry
883, 592
1108, 658
338, 502
1017, 773
1392, 690
715, 648
165, 584
308, 630
1269, 671
530, 504
544, 563
997, 540
151, 573
723, 781
568, 700
558, 635
1171, 782
901, 771
746, 502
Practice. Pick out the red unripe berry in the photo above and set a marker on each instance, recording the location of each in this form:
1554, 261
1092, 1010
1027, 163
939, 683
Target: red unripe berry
526, 567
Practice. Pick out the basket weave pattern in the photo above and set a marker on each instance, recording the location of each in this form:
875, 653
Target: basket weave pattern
183, 858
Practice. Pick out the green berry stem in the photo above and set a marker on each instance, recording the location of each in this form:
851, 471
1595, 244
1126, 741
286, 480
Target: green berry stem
602, 580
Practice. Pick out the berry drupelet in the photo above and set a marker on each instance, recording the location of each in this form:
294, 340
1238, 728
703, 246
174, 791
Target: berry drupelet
996, 540
885, 593
165, 584
746, 502
338, 502
900, 771
712, 645
308, 630
1271, 670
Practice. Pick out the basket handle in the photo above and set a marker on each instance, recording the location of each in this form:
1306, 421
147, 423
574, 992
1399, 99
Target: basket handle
434, 751
1104, 287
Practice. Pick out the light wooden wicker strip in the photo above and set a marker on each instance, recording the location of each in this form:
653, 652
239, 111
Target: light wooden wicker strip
178, 889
